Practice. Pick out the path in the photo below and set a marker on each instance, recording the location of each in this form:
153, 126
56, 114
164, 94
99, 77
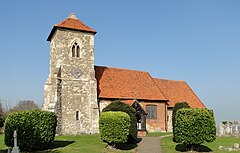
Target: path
150, 144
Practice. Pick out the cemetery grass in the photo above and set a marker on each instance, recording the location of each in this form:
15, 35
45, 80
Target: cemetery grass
76, 144
168, 146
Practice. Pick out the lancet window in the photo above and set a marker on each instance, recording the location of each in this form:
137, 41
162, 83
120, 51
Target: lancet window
75, 50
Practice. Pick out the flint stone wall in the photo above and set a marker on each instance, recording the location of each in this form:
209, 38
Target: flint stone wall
69, 94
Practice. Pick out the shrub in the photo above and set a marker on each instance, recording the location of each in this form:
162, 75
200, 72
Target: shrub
177, 106
2, 116
35, 129
1, 122
194, 126
120, 106
114, 127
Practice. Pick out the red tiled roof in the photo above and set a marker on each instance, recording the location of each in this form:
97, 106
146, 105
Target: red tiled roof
72, 22
178, 91
126, 84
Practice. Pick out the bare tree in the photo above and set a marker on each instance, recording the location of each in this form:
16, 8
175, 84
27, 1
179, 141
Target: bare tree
2, 115
25, 105
7, 105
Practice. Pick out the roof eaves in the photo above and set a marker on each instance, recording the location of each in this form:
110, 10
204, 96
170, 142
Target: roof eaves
194, 93
129, 98
55, 28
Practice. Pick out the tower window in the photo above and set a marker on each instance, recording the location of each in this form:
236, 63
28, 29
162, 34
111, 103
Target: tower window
78, 51
75, 50
77, 115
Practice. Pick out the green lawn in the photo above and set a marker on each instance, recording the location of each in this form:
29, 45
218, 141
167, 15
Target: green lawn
93, 143
169, 146
76, 144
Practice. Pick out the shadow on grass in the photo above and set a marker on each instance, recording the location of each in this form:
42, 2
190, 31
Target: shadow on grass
3, 150
51, 149
59, 144
56, 144
201, 148
46, 151
129, 146
126, 146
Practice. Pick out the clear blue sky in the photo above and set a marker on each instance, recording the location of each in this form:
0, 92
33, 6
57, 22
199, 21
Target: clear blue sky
195, 41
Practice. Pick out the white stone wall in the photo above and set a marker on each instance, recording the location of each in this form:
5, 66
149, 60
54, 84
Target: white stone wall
169, 122
103, 104
78, 92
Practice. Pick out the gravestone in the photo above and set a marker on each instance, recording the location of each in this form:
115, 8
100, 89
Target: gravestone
15, 149
221, 129
236, 145
228, 128
235, 130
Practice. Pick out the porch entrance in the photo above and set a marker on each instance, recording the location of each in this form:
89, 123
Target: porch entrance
141, 119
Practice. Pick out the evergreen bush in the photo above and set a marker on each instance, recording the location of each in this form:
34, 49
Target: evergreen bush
177, 106
2, 116
194, 126
120, 106
35, 129
114, 127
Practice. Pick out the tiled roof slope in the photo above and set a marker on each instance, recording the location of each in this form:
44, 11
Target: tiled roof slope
178, 91
72, 22
126, 84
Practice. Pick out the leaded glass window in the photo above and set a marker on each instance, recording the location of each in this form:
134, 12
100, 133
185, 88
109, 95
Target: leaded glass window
151, 111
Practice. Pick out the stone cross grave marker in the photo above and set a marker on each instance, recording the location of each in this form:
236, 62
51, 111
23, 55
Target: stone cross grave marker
15, 148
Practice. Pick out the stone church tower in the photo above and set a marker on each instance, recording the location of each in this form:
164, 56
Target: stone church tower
71, 88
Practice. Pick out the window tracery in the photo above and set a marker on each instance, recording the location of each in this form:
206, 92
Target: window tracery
75, 50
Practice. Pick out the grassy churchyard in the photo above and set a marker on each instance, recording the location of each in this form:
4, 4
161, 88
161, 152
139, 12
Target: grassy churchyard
84, 143
169, 146
93, 143
76, 144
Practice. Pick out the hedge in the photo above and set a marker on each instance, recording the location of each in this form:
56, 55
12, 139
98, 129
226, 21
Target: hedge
35, 129
194, 126
114, 127
176, 107
120, 106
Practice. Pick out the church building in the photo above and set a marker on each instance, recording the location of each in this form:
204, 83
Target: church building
77, 90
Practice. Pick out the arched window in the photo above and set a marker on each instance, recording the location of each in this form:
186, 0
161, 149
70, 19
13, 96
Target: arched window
78, 51
75, 50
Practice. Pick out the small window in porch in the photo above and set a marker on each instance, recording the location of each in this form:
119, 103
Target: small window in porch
151, 111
